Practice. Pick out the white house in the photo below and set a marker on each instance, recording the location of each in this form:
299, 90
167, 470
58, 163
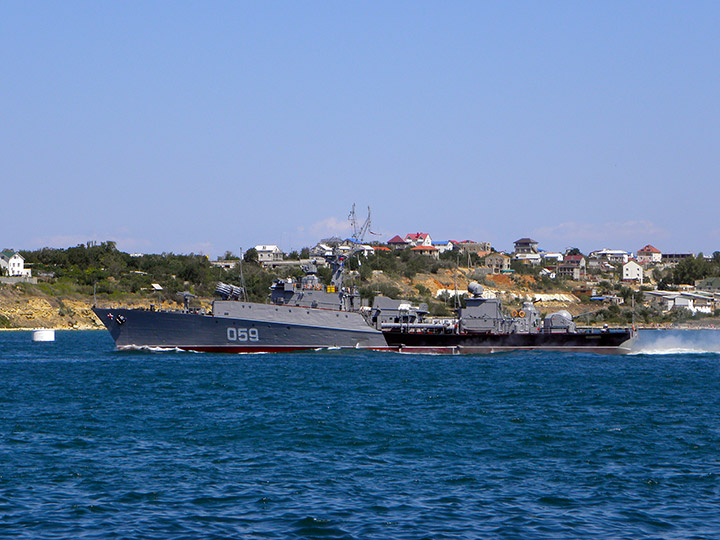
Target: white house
632, 271
528, 258
349, 246
365, 250
321, 250
442, 247
269, 253
225, 264
649, 255
551, 257
13, 264
418, 239
693, 302
615, 256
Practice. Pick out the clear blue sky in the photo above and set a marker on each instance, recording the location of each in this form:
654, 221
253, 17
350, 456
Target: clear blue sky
212, 126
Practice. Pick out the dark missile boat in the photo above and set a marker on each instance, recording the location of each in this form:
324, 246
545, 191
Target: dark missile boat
481, 327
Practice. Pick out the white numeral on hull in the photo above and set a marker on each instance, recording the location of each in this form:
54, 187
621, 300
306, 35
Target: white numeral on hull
243, 334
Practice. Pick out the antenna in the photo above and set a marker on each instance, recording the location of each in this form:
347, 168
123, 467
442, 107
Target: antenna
242, 277
359, 231
457, 263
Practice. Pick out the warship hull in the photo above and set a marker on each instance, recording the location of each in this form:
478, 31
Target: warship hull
614, 341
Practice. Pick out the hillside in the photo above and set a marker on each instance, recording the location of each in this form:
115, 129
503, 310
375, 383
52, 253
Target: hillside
30, 306
69, 279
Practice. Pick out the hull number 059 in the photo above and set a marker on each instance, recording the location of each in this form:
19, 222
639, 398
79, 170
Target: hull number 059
243, 334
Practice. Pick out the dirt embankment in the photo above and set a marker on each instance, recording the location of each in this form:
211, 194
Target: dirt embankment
511, 290
19, 309
22, 311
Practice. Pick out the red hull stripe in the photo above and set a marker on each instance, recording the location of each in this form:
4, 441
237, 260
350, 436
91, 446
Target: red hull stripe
261, 349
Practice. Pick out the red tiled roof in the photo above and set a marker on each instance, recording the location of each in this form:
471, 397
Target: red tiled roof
424, 248
381, 248
416, 236
649, 249
396, 240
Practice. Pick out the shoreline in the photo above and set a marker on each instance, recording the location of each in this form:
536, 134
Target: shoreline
57, 329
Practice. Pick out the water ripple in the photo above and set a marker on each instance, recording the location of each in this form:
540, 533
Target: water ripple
350, 444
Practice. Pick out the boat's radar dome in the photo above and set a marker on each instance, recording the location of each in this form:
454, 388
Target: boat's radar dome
475, 288
560, 319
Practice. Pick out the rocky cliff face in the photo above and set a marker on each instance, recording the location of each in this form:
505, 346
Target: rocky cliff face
21, 310
37, 312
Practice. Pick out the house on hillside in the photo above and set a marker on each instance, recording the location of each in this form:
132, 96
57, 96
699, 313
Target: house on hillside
498, 263
426, 250
613, 256
442, 247
225, 264
528, 258
632, 271
573, 267
364, 249
708, 285
674, 258
649, 255
321, 250
474, 247
418, 239
349, 246
551, 257
525, 245
693, 302
12, 264
269, 253
397, 243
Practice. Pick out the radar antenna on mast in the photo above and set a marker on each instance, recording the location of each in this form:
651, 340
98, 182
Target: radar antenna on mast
359, 231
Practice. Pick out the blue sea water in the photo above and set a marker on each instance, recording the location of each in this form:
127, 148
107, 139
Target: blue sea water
96, 443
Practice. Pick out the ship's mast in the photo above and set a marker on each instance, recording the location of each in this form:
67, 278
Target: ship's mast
359, 231
242, 277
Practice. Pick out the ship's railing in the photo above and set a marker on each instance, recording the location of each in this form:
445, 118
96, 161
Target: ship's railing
429, 327
603, 330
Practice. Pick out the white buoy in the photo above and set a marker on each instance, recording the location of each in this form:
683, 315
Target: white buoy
43, 334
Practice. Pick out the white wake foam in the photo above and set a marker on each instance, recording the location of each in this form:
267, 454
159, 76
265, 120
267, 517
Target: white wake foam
678, 342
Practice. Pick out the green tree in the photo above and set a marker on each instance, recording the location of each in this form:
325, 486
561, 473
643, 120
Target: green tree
251, 256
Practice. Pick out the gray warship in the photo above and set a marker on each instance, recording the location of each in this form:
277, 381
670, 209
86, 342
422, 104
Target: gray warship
300, 315
306, 314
